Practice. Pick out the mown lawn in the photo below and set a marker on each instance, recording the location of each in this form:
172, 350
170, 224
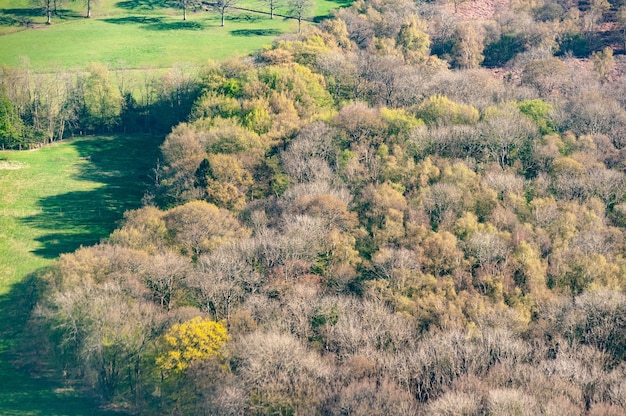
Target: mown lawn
52, 201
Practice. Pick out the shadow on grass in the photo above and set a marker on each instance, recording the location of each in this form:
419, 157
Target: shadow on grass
23, 12
155, 23
318, 19
122, 166
68, 14
255, 32
343, 3
27, 389
245, 17
142, 4
133, 20
12, 21
180, 25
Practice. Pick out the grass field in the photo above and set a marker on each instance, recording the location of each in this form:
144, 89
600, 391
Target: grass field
136, 34
52, 200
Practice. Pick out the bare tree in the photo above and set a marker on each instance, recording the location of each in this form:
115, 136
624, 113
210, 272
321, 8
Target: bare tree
273, 5
48, 7
222, 6
185, 5
164, 275
89, 3
300, 9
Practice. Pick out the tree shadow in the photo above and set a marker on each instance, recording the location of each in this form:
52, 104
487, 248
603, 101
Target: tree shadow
142, 4
30, 386
23, 12
133, 20
122, 165
255, 32
244, 17
68, 14
180, 25
155, 23
12, 21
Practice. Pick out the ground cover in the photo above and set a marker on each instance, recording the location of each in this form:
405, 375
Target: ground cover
52, 200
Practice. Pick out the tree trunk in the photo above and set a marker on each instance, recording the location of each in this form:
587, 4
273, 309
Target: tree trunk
223, 11
184, 12
88, 9
299, 23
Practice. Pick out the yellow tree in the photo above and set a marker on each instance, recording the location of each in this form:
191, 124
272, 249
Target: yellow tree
196, 340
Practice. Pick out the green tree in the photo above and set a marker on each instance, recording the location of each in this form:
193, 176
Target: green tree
413, 40
440, 110
11, 125
103, 102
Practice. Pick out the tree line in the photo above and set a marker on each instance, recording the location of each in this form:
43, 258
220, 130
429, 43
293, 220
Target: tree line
296, 9
41, 108
350, 223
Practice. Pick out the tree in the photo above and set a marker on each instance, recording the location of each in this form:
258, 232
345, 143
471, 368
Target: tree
88, 3
11, 125
222, 6
199, 227
280, 375
164, 276
603, 63
468, 48
103, 102
299, 9
273, 4
185, 5
48, 7
102, 334
413, 40
198, 339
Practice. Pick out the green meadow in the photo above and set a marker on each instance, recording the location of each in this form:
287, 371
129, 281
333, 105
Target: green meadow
136, 34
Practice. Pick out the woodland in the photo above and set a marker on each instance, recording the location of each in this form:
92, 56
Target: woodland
411, 208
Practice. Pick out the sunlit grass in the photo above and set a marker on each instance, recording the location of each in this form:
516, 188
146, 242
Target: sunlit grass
138, 36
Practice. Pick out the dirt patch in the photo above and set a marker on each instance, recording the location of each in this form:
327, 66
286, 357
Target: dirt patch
11, 165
